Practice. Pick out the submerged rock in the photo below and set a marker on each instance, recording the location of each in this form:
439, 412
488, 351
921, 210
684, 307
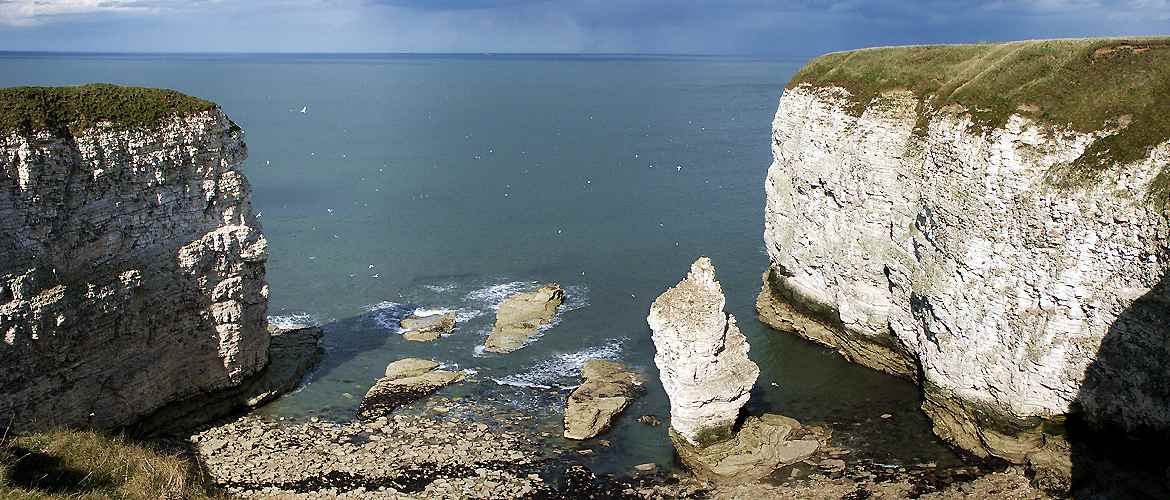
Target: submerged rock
407, 380
608, 390
427, 328
702, 357
760, 446
521, 315
650, 420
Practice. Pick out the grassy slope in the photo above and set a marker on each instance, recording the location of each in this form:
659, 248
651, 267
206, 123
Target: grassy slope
87, 464
78, 108
1087, 84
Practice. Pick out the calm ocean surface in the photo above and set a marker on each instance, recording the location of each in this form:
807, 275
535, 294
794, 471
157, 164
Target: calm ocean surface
448, 182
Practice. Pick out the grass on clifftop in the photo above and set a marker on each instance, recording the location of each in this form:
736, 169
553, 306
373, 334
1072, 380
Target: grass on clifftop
1086, 84
23, 109
87, 464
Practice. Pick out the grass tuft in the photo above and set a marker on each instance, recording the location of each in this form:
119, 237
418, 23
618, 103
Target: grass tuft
1087, 85
89, 464
25, 109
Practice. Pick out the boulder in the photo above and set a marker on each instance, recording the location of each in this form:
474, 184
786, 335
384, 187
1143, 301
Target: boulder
406, 381
520, 315
701, 356
409, 367
608, 390
427, 328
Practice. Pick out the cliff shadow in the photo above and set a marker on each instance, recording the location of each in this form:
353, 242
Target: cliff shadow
1117, 430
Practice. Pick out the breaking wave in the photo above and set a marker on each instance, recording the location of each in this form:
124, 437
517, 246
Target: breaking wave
562, 371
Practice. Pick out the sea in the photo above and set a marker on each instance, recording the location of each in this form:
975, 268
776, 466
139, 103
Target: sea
392, 184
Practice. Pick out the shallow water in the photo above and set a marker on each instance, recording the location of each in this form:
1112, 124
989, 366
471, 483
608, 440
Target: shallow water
447, 182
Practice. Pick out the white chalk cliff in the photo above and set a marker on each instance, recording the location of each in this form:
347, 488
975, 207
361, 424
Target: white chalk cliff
131, 269
948, 256
701, 356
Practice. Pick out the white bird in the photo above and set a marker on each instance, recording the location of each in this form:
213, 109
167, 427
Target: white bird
267, 162
259, 214
330, 210
678, 168
371, 266
376, 276
305, 109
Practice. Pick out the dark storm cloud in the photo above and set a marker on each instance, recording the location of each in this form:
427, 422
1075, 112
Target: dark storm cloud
796, 27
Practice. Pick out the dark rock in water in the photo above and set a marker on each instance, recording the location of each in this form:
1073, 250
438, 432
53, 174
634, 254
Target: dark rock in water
608, 390
406, 381
292, 353
650, 420
427, 328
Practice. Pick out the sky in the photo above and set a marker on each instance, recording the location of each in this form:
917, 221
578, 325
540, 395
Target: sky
796, 28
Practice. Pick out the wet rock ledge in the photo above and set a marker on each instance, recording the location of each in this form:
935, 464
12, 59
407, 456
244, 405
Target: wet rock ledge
405, 457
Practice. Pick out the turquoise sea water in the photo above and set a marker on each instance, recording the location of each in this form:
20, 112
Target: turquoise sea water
448, 182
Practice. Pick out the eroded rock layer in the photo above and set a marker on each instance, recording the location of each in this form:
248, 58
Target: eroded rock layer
947, 253
131, 269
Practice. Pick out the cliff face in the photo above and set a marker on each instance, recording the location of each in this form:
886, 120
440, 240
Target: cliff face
916, 236
131, 264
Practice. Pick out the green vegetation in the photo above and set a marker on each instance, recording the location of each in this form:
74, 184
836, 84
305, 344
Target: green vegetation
1087, 85
87, 464
23, 109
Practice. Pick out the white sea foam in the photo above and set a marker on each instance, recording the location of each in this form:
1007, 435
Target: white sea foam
519, 383
563, 370
388, 315
462, 315
423, 312
292, 321
442, 287
495, 294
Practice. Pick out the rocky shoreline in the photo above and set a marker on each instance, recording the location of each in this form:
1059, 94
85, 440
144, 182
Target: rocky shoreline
465, 450
409, 440
409, 456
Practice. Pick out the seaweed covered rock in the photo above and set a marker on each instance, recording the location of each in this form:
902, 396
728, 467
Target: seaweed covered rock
406, 381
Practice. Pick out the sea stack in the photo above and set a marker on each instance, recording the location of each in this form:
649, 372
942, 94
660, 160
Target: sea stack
702, 357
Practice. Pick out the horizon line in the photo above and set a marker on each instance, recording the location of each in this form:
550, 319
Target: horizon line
404, 53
